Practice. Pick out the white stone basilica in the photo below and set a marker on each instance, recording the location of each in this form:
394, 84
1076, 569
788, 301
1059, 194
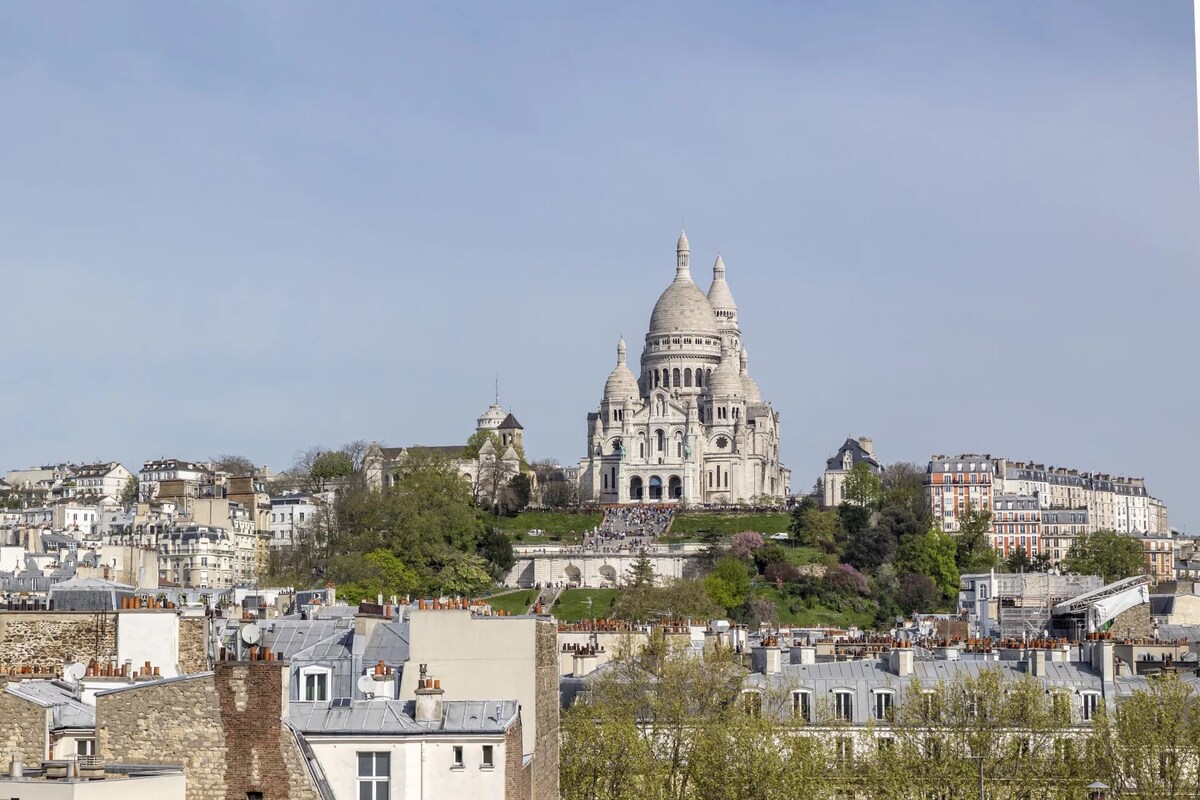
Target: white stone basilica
693, 427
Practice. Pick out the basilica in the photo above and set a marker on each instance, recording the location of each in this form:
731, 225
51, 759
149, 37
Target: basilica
691, 426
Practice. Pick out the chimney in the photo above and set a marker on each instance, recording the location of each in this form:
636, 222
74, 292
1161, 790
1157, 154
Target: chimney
767, 658
1037, 662
900, 661
1103, 662
803, 654
429, 698
583, 663
867, 445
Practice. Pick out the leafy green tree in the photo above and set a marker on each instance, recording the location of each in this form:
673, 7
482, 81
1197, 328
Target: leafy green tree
729, 583
853, 518
496, 549
931, 554
329, 467
1019, 561
519, 492
129, 495
464, 575
641, 571
863, 487
1109, 554
677, 599
797, 514
378, 572
819, 529
903, 485
974, 552
917, 593
869, 548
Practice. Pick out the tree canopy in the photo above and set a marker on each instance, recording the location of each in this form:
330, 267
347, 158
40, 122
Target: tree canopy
1109, 554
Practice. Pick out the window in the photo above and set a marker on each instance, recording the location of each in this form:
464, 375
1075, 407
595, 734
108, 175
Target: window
458, 756
487, 757
374, 771
316, 686
85, 747
1090, 701
843, 705
883, 705
802, 705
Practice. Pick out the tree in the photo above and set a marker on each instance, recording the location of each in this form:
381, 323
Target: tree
870, 548
862, 486
329, 467
235, 466
930, 554
917, 593
641, 571
129, 495
745, 543
519, 492
677, 599
818, 528
378, 572
974, 553
1109, 554
807, 502
1019, 561
464, 575
903, 485
728, 583
853, 518
496, 549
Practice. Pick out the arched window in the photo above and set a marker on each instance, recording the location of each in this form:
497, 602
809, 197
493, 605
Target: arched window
710, 479
675, 377
679, 445
707, 376
660, 440
641, 446
655, 379
666, 378
687, 377
604, 480
699, 377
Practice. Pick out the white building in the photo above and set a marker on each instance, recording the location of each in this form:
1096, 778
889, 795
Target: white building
289, 514
107, 479
692, 426
193, 475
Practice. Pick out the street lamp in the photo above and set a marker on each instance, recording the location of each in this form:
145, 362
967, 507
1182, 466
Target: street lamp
1097, 790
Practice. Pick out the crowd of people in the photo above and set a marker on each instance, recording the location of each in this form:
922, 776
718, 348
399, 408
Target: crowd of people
626, 529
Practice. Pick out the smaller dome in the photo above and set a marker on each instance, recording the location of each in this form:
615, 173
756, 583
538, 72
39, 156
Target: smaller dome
719, 296
621, 383
753, 395
682, 245
725, 381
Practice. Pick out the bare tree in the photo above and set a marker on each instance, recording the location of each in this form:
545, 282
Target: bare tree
236, 466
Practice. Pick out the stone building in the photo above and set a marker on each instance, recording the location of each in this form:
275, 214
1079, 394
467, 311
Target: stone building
692, 426
853, 451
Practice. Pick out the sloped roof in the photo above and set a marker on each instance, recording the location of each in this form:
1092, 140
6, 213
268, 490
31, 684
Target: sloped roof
388, 643
395, 717
511, 422
68, 710
857, 454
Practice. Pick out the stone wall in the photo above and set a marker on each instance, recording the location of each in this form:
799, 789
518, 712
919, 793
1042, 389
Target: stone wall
517, 779
50, 637
224, 727
545, 752
23, 727
1133, 622
193, 644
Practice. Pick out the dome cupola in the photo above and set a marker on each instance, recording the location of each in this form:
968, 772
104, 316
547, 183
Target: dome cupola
725, 381
621, 383
720, 298
753, 395
682, 307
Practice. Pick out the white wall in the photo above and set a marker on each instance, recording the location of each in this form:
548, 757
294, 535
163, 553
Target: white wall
149, 635
421, 767
153, 787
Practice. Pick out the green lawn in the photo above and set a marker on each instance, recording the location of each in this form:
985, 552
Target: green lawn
559, 526
573, 605
517, 602
799, 556
766, 524
817, 615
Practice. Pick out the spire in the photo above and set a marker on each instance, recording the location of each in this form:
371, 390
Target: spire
621, 351
719, 267
682, 257
745, 361
497, 390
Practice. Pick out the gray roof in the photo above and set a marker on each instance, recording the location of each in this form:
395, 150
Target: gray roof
388, 643
857, 454
395, 717
68, 710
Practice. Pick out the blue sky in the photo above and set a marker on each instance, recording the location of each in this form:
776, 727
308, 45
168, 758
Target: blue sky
252, 228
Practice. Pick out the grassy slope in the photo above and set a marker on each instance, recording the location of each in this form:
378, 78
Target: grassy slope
766, 524
817, 615
517, 602
572, 604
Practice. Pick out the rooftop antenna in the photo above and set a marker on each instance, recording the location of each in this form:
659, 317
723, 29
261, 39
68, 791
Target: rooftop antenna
497, 390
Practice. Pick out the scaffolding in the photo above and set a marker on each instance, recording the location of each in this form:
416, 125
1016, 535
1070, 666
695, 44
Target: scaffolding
1025, 601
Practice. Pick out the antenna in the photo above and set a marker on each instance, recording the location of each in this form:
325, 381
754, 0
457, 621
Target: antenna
250, 633
366, 685
497, 390
73, 672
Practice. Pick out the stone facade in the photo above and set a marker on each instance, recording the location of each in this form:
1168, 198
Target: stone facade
546, 715
1133, 623
56, 638
193, 645
23, 730
552, 564
517, 779
224, 727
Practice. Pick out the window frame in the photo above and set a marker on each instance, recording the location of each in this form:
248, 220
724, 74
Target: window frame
487, 758
379, 783
838, 694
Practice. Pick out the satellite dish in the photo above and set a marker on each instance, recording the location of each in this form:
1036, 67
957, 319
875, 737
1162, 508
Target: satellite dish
250, 633
73, 672
366, 685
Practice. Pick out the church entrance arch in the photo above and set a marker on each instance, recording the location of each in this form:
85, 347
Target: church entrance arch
608, 576
656, 488
675, 487
572, 575
635, 488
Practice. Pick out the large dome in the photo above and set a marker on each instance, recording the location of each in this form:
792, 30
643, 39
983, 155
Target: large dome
725, 381
684, 308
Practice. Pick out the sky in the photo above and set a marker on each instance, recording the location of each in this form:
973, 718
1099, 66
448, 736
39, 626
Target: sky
257, 227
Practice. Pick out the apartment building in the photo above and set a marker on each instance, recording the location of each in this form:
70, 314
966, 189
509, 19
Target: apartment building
179, 479
1115, 503
200, 556
104, 479
955, 484
1060, 526
1016, 524
290, 513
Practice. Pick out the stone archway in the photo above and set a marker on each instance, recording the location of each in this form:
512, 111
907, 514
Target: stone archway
675, 488
635, 488
572, 575
656, 488
608, 576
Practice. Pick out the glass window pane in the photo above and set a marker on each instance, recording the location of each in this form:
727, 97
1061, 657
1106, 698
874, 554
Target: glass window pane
364, 765
381, 790
364, 790
382, 764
